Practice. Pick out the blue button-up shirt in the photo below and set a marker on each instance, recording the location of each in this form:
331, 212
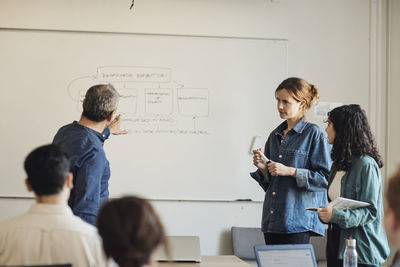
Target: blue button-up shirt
305, 147
89, 166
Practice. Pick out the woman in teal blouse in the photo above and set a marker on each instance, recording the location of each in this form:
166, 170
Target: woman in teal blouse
354, 174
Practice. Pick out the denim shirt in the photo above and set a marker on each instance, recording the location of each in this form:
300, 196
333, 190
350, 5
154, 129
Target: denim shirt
306, 148
362, 182
89, 166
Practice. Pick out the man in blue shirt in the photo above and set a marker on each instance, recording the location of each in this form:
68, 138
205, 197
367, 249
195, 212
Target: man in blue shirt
83, 141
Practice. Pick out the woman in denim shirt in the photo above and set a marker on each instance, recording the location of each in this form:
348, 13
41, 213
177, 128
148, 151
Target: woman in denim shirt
355, 175
296, 175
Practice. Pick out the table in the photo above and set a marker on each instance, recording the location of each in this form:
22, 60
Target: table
209, 261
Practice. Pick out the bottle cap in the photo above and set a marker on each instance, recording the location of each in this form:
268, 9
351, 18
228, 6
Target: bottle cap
350, 242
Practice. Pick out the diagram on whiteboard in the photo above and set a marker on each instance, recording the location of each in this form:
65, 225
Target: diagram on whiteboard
150, 102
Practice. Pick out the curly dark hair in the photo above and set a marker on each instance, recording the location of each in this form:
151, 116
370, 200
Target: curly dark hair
353, 136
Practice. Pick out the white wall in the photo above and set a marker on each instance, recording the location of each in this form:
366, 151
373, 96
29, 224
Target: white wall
393, 141
209, 220
332, 43
393, 90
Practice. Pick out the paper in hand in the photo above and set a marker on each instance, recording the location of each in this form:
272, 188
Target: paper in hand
342, 203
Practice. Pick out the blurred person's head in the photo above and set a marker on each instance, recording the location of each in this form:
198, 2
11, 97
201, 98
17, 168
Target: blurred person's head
131, 231
392, 209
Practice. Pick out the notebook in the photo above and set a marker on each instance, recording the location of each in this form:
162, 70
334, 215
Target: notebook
181, 248
342, 203
285, 255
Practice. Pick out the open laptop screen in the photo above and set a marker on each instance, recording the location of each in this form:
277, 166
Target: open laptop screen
181, 248
285, 255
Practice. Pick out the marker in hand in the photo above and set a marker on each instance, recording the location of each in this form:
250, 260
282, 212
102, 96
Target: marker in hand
312, 208
257, 162
264, 157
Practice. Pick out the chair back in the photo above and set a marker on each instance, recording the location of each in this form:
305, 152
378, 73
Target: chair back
243, 241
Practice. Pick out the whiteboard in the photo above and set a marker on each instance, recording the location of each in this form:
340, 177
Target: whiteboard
191, 104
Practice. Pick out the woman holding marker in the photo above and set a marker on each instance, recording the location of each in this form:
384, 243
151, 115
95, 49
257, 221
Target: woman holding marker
294, 176
355, 175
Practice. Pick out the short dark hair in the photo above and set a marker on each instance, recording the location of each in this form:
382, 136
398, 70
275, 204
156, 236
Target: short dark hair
100, 101
47, 167
130, 229
353, 136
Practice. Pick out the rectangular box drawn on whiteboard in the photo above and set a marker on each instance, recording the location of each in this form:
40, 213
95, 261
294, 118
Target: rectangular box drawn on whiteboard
193, 102
158, 101
133, 74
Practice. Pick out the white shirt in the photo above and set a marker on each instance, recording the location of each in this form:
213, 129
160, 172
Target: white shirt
336, 185
49, 234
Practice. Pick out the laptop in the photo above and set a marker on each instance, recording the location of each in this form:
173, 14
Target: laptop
181, 248
285, 255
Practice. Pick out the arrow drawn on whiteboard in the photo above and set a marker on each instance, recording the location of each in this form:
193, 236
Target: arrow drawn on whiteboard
179, 85
172, 84
80, 83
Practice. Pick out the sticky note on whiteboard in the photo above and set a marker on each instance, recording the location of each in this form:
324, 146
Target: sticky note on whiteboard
322, 108
256, 143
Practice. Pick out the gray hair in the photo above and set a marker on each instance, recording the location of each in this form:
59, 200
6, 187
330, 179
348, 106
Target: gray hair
100, 101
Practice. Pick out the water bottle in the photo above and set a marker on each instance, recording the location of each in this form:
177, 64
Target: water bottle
350, 254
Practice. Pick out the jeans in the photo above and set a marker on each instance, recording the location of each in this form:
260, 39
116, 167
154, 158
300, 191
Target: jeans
295, 238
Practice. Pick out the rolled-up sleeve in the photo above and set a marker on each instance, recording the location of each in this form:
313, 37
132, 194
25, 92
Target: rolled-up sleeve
263, 180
